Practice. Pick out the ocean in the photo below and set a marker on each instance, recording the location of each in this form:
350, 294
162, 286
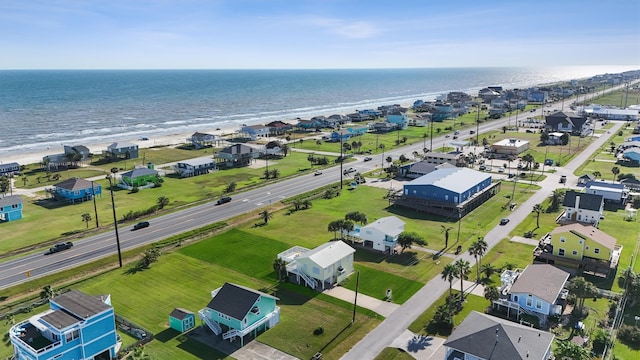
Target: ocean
44, 109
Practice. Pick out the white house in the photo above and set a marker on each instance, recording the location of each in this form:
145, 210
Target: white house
582, 207
322, 267
612, 192
382, 234
193, 167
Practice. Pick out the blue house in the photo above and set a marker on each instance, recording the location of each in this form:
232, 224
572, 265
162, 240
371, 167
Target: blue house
399, 119
237, 311
75, 190
632, 155
441, 112
360, 130
539, 290
451, 185
340, 135
121, 150
9, 169
10, 208
78, 326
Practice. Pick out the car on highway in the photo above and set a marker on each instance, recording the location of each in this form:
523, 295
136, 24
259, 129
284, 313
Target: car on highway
501, 170
504, 221
61, 246
223, 200
317, 173
350, 170
140, 225
368, 158
472, 132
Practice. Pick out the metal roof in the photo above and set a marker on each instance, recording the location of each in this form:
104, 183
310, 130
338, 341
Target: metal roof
389, 225
328, 253
456, 179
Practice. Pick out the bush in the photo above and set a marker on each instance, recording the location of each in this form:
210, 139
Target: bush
318, 331
630, 335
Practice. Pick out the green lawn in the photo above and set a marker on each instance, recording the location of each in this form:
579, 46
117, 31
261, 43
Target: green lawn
471, 303
393, 354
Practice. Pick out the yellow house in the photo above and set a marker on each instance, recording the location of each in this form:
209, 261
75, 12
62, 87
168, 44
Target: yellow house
580, 246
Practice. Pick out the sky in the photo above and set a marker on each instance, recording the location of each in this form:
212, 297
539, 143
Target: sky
316, 34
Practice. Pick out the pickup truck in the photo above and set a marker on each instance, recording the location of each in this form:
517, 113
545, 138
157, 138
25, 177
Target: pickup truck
60, 247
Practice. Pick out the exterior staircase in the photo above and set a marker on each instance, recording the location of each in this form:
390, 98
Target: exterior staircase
311, 282
214, 326
231, 334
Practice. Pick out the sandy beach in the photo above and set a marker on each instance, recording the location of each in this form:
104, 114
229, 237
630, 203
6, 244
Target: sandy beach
35, 157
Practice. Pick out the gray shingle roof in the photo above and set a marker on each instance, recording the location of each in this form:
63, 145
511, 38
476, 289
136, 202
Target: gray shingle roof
489, 337
235, 300
179, 313
74, 184
587, 201
10, 200
143, 171
542, 280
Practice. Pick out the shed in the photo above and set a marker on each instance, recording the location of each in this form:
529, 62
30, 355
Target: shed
182, 320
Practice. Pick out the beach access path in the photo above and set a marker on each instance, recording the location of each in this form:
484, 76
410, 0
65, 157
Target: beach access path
397, 323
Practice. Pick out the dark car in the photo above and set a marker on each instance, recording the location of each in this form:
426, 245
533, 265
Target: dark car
368, 158
223, 200
318, 173
61, 246
141, 225
504, 221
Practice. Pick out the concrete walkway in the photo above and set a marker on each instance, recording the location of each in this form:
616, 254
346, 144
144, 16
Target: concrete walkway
383, 308
420, 347
524, 240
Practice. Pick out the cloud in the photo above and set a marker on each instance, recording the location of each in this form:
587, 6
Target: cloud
344, 28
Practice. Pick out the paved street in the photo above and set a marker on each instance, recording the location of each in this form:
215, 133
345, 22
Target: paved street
397, 323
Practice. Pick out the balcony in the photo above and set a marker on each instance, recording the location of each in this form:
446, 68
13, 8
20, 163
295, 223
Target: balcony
29, 338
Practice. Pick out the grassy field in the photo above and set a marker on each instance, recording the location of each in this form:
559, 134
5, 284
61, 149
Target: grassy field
603, 160
471, 303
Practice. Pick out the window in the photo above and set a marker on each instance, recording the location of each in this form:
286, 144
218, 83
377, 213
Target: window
596, 250
538, 304
316, 270
560, 252
562, 240
574, 253
255, 310
70, 336
580, 241
587, 247
529, 300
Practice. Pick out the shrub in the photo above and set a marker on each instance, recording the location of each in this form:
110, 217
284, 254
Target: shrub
630, 335
318, 331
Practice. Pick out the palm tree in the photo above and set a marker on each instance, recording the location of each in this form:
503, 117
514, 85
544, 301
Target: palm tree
25, 180
582, 289
149, 256
265, 215
162, 202
406, 239
449, 274
285, 150
463, 268
86, 217
488, 270
446, 229
48, 292
529, 160
478, 248
335, 227
346, 226
279, 266
491, 293
537, 209
556, 199
571, 350
615, 170
597, 174
306, 203
275, 173
357, 216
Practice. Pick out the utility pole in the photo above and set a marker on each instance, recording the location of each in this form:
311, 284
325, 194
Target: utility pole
115, 219
95, 208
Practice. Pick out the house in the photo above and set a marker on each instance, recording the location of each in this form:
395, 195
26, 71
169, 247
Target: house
488, 94
449, 192
482, 336
584, 179
579, 246
340, 135
398, 119
358, 117
420, 120
238, 311
200, 140
539, 290
382, 234
72, 156
631, 184
382, 127
254, 132
631, 156
75, 190
141, 177
9, 169
538, 96
194, 167
10, 208
80, 151
439, 158
555, 138
274, 148
612, 192
562, 122
510, 147
582, 207
182, 320
308, 124
77, 326
358, 130
121, 150
237, 155
322, 267
279, 127
454, 185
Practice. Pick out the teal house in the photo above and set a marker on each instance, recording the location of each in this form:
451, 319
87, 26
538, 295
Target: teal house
236, 311
182, 320
10, 208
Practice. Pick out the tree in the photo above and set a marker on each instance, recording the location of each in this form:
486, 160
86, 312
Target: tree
570, 350
504, 129
318, 142
544, 137
149, 256
297, 204
267, 174
612, 146
346, 147
139, 354
406, 239
346, 226
556, 199
528, 160
86, 217
162, 202
48, 292
491, 293
478, 248
446, 229
275, 173
357, 216
537, 209
582, 289
306, 203
265, 215
4, 184
615, 170
488, 270
389, 160
597, 174
463, 268
449, 273
231, 187
335, 227
25, 180
280, 267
